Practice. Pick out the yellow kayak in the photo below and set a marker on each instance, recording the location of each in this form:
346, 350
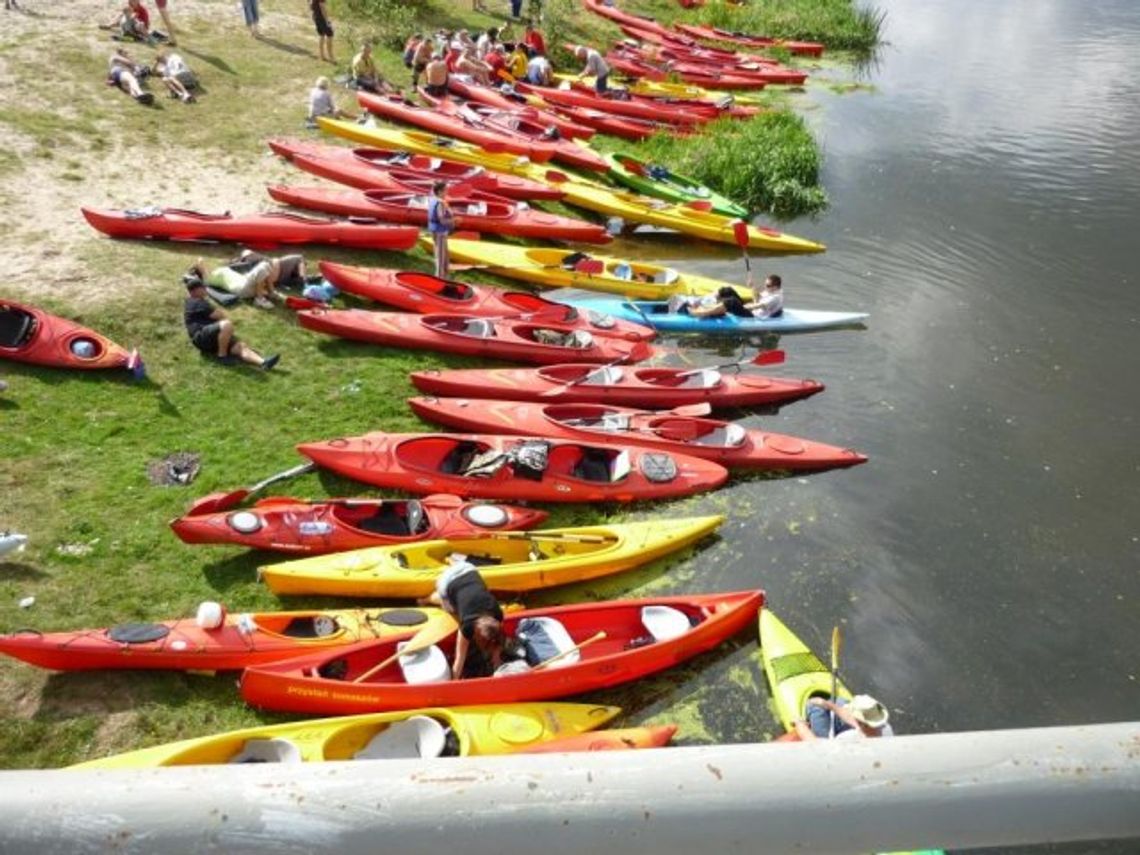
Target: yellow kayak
634, 208
663, 89
555, 268
794, 673
507, 561
435, 732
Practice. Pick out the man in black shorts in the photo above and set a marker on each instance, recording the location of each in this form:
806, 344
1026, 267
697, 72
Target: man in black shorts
213, 333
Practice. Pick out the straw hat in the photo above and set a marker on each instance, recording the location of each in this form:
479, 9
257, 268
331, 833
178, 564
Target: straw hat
869, 712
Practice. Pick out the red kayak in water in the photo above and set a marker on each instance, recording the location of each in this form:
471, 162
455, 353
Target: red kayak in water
535, 341
426, 295
28, 334
516, 468
366, 168
728, 443
472, 211
597, 644
651, 388
283, 524
257, 230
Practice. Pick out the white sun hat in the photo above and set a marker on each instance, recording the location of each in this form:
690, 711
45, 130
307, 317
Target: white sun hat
870, 712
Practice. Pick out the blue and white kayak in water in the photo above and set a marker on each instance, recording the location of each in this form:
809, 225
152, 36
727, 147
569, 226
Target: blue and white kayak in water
657, 315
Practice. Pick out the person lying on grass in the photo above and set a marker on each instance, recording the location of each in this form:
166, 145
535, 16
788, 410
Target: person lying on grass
176, 74
252, 276
124, 73
212, 332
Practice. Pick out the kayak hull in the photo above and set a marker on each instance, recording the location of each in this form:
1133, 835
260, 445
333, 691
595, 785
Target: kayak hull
794, 673
661, 319
634, 174
625, 653
508, 339
728, 444
529, 562
31, 335
574, 472
622, 739
649, 388
290, 525
501, 729
186, 646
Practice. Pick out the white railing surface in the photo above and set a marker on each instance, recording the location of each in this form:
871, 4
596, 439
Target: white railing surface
949, 790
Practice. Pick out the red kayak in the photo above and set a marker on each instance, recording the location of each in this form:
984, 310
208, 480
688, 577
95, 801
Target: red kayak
535, 341
605, 644
708, 110
366, 168
615, 739
336, 525
240, 640
495, 99
473, 211
651, 388
747, 40
729, 444
700, 61
426, 294
568, 151
28, 334
670, 44
493, 139
635, 64
257, 230
518, 468
649, 110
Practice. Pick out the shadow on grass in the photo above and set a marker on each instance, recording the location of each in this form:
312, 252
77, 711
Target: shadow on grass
237, 570
287, 48
78, 693
210, 59
16, 570
8, 404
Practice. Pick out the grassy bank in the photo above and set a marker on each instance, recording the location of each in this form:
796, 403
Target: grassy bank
839, 24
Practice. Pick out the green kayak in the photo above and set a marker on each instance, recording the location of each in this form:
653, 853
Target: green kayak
657, 181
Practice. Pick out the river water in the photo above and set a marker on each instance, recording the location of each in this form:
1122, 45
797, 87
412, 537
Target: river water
986, 212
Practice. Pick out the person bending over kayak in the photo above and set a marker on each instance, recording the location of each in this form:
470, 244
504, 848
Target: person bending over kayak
863, 718
441, 223
595, 66
213, 333
463, 594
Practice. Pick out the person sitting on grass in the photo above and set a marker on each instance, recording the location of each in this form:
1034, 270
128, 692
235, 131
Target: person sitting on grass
364, 73
133, 22
124, 73
212, 332
176, 74
321, 104
470, 64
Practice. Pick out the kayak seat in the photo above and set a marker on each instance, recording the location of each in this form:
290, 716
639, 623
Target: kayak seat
544, 638
479, 328
415, 736
418, 521
665, 622
667, 276
386, 520
268, 751
424, 666
459, 458
455, 291
607, 375
484, 560
16, 327
317, 626
623, 271
580, 339
621, 466
731, 435
706, 378
594, 465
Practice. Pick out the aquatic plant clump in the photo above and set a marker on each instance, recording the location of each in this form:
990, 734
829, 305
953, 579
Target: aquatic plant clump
839, 24
769, 163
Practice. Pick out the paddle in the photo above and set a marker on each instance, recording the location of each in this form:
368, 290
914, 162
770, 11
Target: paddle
224, 501
567, 538
430, 635
835, 643
548, 662
764, 357
638, 352
740, 232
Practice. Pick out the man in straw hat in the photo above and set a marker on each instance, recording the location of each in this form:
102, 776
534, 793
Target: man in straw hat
862, 718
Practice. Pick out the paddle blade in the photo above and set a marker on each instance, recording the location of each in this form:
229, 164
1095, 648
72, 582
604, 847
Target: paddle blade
740, 233
436, 631
704, 206
692, 410
299, 303
556, 177
769, 357
836, 642
590, 266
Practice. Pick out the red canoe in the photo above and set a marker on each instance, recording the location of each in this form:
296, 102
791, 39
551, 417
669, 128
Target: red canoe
474, 211
536, 341
366, 168
636, 65
651, 388
684, 45
620, 640
426, 294
747, 40
258, 230
708, 109
514, 467
337, 525
28, 334
616, 739
240, 641
481, 134
728, 443
701, 61
649, 110
568, 151
496, 99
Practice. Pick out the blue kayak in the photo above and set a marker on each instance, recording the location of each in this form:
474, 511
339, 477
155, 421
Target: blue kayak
657, 315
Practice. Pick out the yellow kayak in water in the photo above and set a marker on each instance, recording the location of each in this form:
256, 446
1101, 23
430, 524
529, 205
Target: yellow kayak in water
558, 268
435, 732
507, 561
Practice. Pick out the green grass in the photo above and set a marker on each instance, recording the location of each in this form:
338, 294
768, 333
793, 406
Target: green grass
77, 445
838, 24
